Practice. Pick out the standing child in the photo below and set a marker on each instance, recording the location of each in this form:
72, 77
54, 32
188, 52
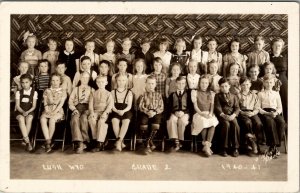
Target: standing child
160, 84
89, 51
204, 120
100, 105
179, 105
31, 55
121, 110
66, 84
54, 98
227, 109
139, 79
164, 54
42, 79
234, 57
25, 105
234, 78
122, 70
270, 110
256, 83
105, 70
180, 56
214, 77
151, 107
52, 54
145, 54
109, 54
199, 55
171, 85
212, 45
86, 67
269, 69
125, 54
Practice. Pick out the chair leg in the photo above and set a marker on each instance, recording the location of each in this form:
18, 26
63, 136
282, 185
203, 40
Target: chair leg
134, 142
63, 141
285, 142
163, 145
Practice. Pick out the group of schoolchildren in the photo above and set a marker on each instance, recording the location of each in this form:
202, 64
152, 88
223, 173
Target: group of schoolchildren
241, 95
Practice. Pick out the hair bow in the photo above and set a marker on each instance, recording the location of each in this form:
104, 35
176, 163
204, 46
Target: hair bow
26, 35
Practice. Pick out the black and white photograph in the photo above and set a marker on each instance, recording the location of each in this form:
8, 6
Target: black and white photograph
149, 97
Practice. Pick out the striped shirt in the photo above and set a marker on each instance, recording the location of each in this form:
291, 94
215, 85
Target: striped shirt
42, 82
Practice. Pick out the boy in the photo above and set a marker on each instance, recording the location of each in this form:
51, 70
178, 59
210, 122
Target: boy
270, 110
66, 80
227, 109
256, 83
100, 105
179, 107
85, 62
146, 55
78, 104
151, 106
89, 51
159, 76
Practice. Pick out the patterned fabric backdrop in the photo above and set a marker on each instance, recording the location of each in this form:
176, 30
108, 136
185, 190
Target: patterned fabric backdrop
101, 27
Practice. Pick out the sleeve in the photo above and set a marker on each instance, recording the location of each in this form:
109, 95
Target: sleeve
217, 105
69, 85
45, 55
160, 107
35, 95
279, 104
110, 102
94, 75
17, 97
142, 105
39, 55
267, 57
71, 100
76, 79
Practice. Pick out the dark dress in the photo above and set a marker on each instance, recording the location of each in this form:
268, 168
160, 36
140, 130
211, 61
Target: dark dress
70, 61
148, 57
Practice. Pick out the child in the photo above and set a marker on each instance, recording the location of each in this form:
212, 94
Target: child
179, 106
164, 54
251, 124
79, 105
270, 110
109, 55
199, 55
52, 54
256, 83
227, 109
180, 56
66, 84
31, 55
100, 105
171, 85
192, 77
151, 107
25, 105
125, 54
204, 120
16, 83
122, 70
121, 111
86, 67
234, 78
105, 70
89, 51
139, 79
54, 98
160, 77
70, 58
234, 57
145, 54
214, 77
212, 45
42, 79
269, 69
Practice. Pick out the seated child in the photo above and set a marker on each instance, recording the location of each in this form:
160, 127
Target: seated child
227, 109
160, 85
151, 107
171, 85
42, 78
256, 83
122, 70
66, 80
213, 75
85, 62
145, 54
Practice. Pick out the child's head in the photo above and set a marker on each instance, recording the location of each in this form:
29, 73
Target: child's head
23, 67
52, 44
245, 83
253, 71
259, 43
212, 44
69, 45
175, 69
204, 83
145, 44
197, 42
26, 81
84, 78
277, 45
126, 44
139, 66
86, 63
224, 85
104, 68
121, 80
89, 46
61, 67
180, 83
163, 44
150, 83
213, 67
234, 69
30, 40
55, 80
110, 46
193, 66
180, 45
101, 82
269, 68
269, 81
43, 66
157, 64
234, 45
122, 65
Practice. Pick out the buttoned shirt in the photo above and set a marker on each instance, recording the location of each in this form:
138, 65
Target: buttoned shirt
270, 99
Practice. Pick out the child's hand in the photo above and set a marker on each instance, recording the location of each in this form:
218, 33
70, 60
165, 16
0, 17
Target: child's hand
104, 116
25, 114
274, 114
180, 114
74, 112
121, 112
231, 117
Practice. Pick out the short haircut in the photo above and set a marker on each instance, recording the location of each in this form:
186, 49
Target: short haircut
23, 62
60, 62
123, 60
258, 38
85, 58
89, 41
244, 79
268, 77
175, 64
145, 40
101, 77
126, 39
180, 78
158, 60
54, 39
212, 40
151, 77
26, 76
164, 41
213, 61
222, 81
178, 41
44, 61
197, 37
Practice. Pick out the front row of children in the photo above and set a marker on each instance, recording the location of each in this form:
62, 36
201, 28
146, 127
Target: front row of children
248, 115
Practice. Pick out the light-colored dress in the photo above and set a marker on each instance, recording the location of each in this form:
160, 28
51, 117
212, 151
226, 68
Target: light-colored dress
239, 59
139, 84
32, 58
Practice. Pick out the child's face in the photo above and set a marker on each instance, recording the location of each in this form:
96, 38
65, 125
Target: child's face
151, 84
235, 46
86, 65
31, 42
234, 70
43, 67
254, 72
122, 66
145, 47
126, 45
90, 46
277, 47
52, 45
110, 46
163, 47
181, 84
139, 66
26, 83
193, 67
180, 47
212, 45
197, 44
269, 69
103, 68
175, 71
101, 82
157, 66
23, 68
204, 84
55, 81
224, 88
246, 86
84, 79
268, 84
122, 81
259, 45
213, 68
69, 45
60, 69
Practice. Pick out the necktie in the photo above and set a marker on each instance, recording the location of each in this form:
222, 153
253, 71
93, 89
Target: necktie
82, 98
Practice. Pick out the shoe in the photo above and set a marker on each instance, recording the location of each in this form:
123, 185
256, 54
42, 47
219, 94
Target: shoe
224, 153
206, 148
48, 148
148, 150
275, 153
123, 145
235, 153
29, 147
98, 147
153, 147
118, 145
79, 150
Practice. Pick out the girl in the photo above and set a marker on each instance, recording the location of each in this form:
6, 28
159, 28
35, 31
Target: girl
105, 69
171, 81
164, 54
126, 45
54, 98
25, 105
31, 55
121, 111
214, 77
204, 120
212, 45
192, 77
70, 58
269, 69
122, 70
89, 51
234, 57
199, 55
234, 78
16, 83
52, 54
42, 80
180, 56
109, 55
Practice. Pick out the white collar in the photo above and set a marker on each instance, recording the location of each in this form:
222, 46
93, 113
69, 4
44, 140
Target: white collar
58, 89
68, 53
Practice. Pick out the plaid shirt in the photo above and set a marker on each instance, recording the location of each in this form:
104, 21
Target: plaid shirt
160, 83
151, 101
